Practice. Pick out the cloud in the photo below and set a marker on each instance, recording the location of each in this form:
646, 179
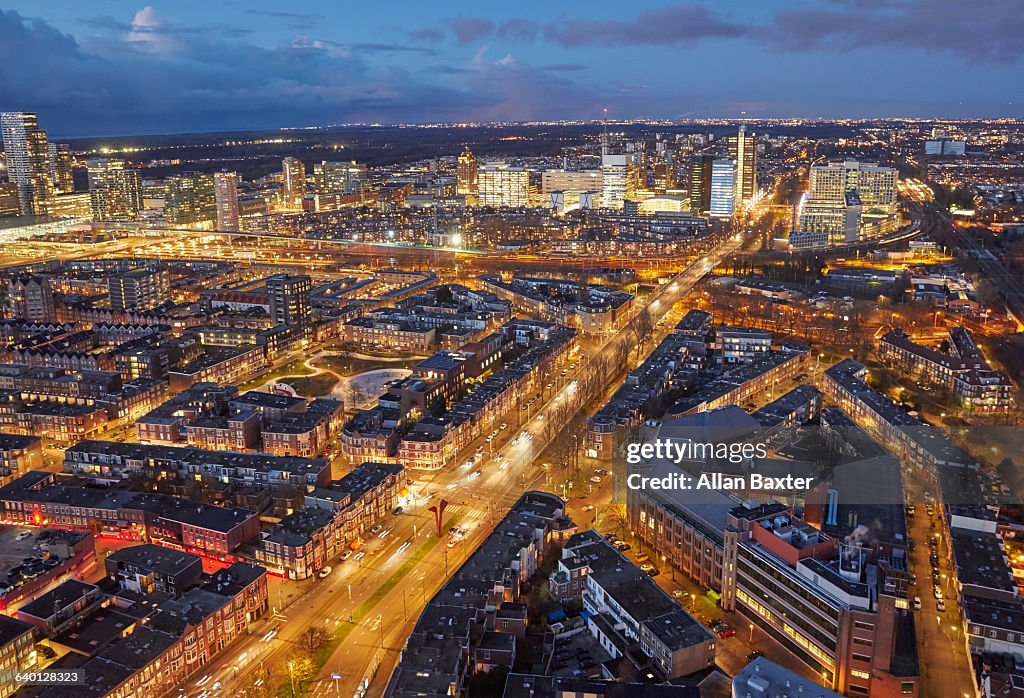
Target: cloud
519, 29
675, 25
983, 31
201, 81
427, 35
467, 30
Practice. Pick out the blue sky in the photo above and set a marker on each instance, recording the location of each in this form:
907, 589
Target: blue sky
121, 67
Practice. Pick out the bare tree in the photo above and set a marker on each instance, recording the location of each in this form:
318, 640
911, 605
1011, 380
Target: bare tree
313, 638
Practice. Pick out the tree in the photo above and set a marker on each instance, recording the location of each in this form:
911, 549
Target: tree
313, 638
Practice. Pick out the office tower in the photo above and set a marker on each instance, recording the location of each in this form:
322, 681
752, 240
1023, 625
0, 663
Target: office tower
226, 195
28, 160
115, 191
501, 185
191, 199
613, 190
77, 206
9, 205
723, 188
60, 168
289, 298
339, 177
293, 183
849, 201
571, 181
139, 289
743, 149
31, 298
664, 177
874, 185
466, 174
700, 183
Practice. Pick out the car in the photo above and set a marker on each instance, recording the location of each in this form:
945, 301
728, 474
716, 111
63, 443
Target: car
596, 478
397, 511
565, 372
346, 555
503, 426
324, 572
917, 603
678, 594
913, 580
479, 450
601, 471
937, 592
589, 507
376, 528
940, 606
726, 632
622, 546
716, 624
754, 655
911, 510
646, 567
452, 542
489, 439
23, 535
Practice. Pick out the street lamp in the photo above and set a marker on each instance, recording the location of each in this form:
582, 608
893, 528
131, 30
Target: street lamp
751, 634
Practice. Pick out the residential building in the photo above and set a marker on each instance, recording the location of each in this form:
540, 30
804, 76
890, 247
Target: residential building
28, 161
466, 174
17, 652
226, 197
114, 190
139, 289
293, 183
150, 568
191, 200
289, 296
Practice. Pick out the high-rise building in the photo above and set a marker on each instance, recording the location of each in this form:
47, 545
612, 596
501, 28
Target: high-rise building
289, 298
31, 298
614, 167
849, 201
501, 185
77, 205
191, 199
226, 195
575, 181
115, 190
9, 205
60, 168
339, 177
700, 183
466, 174
139, 289
873, 185
743, 149
664, 177
293, 183
723, 188
28, 160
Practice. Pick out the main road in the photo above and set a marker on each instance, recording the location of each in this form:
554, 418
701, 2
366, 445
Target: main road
371, 603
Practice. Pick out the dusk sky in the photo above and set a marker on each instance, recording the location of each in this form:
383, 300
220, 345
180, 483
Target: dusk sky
122, 67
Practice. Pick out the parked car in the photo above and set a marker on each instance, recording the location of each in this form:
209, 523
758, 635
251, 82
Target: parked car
346, 555
754, 655
937, 592
726, 632
398, 510
376, 528
940, 605
917, 603
596, 478
324, 572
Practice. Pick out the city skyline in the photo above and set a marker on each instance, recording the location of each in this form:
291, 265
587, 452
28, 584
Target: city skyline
133, 69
